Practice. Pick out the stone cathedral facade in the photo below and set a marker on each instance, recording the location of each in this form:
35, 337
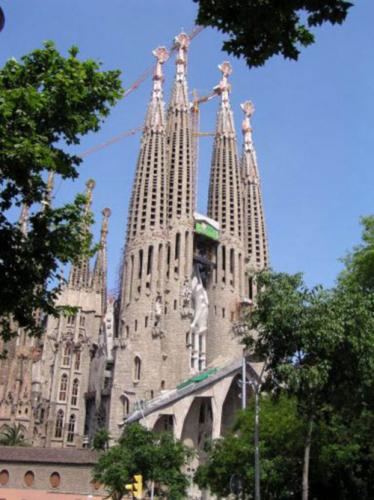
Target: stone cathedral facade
164, 351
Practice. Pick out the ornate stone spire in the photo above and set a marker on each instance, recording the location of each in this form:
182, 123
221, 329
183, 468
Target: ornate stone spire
80, 273
225, 119
99, 276
155, 119
147, 209
179, 98
225, 206
224, 191
256, 246
249, 160
179, 136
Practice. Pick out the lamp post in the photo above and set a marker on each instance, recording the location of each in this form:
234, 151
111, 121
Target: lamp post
256, 384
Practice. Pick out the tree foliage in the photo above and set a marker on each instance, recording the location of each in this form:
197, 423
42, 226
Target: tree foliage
12, 435
157, 457
319, 344
47, 102
101, 440
342, 454
281, 448
259, 29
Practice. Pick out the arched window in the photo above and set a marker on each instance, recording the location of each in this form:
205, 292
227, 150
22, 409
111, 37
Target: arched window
66, 360
63, 387
74, 392
29, 478
4, 477
71, 428
59, 424
137, 368
55, 479
125, 406
77, 362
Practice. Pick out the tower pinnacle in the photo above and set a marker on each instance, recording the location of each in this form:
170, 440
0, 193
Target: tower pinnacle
99, 279
225, 121
80, 273
254, 221
181, 41
250, 169
155, 116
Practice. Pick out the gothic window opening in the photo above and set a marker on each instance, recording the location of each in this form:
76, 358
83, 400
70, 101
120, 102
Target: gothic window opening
177, 245
77, 361
125, 406
136, 325
70, 320
250, 288
149, 260
59, 424
82, 320
137, 368
74, 392
66, 360
140, 269
71, 429
168, 262
63, 387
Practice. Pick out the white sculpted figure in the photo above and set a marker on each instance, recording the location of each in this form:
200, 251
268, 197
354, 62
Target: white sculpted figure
200, 305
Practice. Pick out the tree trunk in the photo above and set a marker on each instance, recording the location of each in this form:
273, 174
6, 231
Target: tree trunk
308, 443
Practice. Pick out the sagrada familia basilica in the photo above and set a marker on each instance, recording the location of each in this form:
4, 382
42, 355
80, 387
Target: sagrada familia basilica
164, 351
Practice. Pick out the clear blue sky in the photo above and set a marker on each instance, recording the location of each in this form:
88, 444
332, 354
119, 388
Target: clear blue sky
313, 126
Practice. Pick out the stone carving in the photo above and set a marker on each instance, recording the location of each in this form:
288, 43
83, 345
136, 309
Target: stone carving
200, 304
157, 314
185, 302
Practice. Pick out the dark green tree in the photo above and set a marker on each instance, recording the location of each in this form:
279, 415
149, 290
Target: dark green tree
319, 345
101, 440
281, 445
158, 457
259, 29
47, 102
342, 454
359, 264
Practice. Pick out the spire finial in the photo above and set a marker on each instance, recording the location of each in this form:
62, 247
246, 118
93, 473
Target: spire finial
104, 225
181, 42
223, 88
162, 55
251, 162
248, 109
90, 184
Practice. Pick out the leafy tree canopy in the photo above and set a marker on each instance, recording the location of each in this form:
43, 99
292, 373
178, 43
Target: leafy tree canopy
359, 264
47, 101
342, 454
259, 29
281, 447
157, 457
